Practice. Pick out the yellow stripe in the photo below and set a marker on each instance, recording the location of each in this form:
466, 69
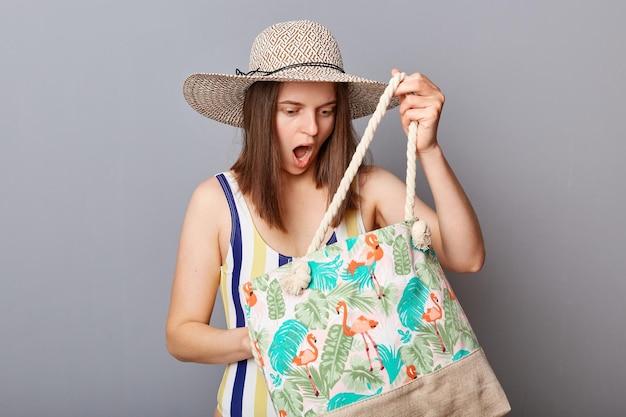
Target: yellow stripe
220, 392
260, 253
260, 395
224, 292
352, 228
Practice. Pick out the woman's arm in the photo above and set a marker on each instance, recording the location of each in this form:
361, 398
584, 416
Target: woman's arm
189, 336
455, 231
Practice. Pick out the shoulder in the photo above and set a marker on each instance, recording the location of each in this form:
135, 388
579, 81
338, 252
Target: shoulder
209, 195
374, 180
208, 213
381, 196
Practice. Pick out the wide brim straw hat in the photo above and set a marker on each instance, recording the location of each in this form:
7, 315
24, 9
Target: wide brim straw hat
299, 50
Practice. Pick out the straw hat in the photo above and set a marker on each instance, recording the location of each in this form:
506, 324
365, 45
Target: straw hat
290, 51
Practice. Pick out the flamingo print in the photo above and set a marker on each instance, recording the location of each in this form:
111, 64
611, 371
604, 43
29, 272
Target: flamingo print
433, 314
368, 259
307, 356
250, 295
411, 372
362, 325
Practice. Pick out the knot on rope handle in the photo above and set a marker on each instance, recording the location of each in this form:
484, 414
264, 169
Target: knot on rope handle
299, 278
420, 234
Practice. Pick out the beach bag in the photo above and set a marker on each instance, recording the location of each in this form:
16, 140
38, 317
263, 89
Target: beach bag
369, 326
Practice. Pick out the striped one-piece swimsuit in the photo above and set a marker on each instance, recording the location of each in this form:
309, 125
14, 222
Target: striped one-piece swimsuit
243, 391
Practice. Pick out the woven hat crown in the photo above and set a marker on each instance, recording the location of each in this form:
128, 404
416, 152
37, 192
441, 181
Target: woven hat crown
293, 43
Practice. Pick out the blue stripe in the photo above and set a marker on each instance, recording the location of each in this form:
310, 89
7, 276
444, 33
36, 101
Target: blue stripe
236, 403
333, 239
284, 259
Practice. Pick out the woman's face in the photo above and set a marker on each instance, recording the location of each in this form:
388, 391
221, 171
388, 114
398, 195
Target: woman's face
305, 118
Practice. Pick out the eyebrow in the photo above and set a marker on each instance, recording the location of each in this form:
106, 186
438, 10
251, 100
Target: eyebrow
296, 103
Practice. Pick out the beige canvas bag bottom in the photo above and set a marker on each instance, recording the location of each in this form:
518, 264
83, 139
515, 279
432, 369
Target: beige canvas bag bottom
465, 388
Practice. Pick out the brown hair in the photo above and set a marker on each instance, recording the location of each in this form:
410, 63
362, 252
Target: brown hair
257, 169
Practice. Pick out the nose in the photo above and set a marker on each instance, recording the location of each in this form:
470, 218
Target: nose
310, 124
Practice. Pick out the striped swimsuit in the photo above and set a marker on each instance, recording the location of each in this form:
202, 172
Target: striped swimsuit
243, 391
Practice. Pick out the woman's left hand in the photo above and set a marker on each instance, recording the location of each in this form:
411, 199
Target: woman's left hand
422, 101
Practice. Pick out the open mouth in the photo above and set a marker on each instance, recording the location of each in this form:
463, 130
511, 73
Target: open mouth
302, 152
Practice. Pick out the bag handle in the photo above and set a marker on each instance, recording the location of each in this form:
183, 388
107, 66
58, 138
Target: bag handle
300, 278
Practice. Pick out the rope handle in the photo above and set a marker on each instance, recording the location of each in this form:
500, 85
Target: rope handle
299, 277
357, 160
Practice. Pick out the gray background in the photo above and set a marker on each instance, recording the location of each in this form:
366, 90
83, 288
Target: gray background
99, 154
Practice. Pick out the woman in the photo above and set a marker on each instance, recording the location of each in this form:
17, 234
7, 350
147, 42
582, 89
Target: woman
295, 106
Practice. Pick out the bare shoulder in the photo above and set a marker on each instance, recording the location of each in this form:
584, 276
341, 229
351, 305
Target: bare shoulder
209, 194
208, 213
381, 197
374, 177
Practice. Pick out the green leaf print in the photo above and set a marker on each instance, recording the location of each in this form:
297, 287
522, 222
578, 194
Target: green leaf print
401, 258
450, 329
288, 399
468, 338
333, 250
427, 273
260, 283
334, 355
359, 378
418, 353
388, 303
429, 334
299, 380
275, 301
386, 235
354, 299
314, 311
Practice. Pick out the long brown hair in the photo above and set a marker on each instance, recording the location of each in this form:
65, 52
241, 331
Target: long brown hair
257, 169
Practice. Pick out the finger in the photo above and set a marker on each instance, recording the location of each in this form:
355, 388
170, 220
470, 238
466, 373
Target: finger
417, 84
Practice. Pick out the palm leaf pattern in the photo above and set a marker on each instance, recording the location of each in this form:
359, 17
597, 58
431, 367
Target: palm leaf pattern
392, 360
288, 398
411, 305
313, 312
335, 354
401, 256
359, 378
324, 274
361, 277
419, 354
347, 398
299, 381
260, 283
275, 301
285, 345
352, 296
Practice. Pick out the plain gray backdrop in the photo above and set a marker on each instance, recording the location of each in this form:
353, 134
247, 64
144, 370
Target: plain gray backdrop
99, 154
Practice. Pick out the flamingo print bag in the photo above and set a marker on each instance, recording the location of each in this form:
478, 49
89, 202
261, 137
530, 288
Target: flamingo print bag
369, 326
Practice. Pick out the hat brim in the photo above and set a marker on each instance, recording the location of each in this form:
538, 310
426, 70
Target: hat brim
220, 96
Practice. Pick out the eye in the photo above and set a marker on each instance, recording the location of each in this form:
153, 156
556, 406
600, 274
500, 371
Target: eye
329, 111
289, 111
